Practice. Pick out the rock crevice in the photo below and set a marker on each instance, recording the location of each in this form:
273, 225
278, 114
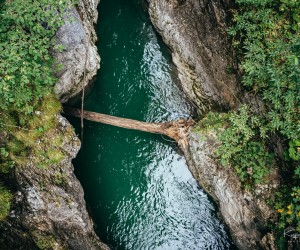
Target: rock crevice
196, 33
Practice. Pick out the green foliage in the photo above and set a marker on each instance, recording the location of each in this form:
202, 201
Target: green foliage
5, 198
35, 135
27, 36
5, 162
288, 206
267, 35
242, 146
294, 150
45, 242
212, 121
270, 38
28, 108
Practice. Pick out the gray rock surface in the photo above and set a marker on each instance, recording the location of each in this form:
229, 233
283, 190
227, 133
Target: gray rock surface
80, 55
246, 213
49, 210
195, 30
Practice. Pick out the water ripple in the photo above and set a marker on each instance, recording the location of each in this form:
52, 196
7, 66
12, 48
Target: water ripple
138, 187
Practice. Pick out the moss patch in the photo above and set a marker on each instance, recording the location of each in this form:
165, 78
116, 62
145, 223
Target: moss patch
5, 200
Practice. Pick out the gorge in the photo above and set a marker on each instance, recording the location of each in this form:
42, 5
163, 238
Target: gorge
138, 188
160, 61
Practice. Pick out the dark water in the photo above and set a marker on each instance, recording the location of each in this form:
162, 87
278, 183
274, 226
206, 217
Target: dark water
138, 187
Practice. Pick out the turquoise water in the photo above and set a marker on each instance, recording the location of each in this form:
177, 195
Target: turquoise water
137, 185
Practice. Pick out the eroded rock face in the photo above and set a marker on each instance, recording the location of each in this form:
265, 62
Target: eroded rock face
80, 55
49, 207
195, 30
49, 210
245, 213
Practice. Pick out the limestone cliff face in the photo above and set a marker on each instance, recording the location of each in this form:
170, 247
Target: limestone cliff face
80, 54
195, 30
246, 213
49, 210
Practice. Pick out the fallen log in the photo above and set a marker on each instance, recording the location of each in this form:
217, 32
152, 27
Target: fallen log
177, 130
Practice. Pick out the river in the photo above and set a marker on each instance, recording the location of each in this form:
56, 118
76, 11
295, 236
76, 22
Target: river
137, 185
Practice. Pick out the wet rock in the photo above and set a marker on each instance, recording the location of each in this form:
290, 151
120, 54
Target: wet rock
195, 30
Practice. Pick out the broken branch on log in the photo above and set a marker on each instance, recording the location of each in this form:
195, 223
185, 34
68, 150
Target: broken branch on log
177, 130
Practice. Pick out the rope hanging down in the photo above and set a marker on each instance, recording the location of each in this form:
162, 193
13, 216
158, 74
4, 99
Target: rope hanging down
83, 91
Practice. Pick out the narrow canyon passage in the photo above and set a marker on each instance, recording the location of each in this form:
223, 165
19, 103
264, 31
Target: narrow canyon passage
137, 186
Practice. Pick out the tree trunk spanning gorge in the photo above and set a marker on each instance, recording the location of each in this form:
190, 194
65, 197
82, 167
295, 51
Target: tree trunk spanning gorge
177, 130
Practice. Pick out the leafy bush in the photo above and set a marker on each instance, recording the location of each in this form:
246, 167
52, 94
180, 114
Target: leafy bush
242, 146
267, 34
288, 206
28, 108
294, 150
27, 36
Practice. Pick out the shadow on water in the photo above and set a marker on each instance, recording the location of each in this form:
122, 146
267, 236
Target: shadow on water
137, 186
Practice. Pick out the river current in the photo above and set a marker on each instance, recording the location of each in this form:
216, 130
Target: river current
137, 185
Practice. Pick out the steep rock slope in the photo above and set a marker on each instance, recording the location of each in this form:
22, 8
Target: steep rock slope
80, 54
246, 213
49, 211
195, 31
49, 207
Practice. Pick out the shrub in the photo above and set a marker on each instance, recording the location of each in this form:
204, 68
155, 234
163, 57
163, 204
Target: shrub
27, 105
242, 146
266, 33
27, 36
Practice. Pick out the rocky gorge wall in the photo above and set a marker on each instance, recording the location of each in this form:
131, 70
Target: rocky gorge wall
195, 31
80, 55
246, 213
49, 210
